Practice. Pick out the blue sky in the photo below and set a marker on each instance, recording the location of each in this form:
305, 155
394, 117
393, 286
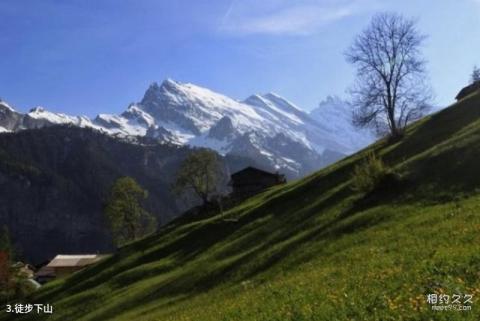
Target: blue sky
86, 57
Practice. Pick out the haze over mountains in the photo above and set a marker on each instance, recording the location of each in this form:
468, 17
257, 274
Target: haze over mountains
266, 128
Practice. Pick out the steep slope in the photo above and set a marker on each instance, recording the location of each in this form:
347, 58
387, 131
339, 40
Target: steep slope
9, 118
54, 182
313, 249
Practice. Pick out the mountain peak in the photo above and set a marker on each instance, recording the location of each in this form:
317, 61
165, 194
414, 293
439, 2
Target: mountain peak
273, 95
266, 98
170, 82
38, 109
332, 99
281, 102
152, 92
154, 86
166, 84
134, 113
171, 85
155, 91
255, 100
336, 115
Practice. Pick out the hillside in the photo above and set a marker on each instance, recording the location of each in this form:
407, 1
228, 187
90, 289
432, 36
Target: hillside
54, 182
313, 249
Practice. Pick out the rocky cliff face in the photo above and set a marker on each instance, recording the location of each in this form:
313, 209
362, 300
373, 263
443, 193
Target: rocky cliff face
9, 118
54, 181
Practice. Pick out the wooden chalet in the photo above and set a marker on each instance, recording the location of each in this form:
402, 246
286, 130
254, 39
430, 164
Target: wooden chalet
63, 265
250, 181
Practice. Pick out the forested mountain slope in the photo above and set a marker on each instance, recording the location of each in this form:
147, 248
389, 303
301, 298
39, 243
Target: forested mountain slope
54, 183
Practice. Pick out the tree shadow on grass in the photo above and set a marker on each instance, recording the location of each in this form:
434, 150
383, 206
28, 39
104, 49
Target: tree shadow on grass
186, 249
351, 220
203, 236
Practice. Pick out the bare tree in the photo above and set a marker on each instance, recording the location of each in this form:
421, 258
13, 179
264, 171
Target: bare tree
390, 89
475, 76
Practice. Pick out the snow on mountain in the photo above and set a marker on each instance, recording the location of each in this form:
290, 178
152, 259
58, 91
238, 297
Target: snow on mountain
335, 115
9, 118
191, 111
266, 128
200, 117
120, 125
40, 117
5, 105
300, 124
138, 116
196, 109
275, 107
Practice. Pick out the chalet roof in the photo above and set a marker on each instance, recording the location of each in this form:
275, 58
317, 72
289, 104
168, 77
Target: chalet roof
253, 170
468, 90
63, 260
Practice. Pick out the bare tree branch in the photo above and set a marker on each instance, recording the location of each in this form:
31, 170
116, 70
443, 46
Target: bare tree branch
390, 90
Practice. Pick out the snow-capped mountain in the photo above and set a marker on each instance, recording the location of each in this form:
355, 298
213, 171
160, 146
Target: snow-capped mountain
267, 129
11, 120
335, 116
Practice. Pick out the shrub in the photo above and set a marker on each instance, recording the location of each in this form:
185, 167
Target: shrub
369, 174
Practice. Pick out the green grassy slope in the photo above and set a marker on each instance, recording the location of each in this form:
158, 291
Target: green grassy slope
313, 249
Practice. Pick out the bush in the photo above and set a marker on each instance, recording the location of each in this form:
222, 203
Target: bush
369, 174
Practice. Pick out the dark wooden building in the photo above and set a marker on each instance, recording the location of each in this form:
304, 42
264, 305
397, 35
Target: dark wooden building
468, 90
250, 181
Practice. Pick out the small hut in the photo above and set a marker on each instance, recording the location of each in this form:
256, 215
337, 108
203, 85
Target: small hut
63, 265
250, 181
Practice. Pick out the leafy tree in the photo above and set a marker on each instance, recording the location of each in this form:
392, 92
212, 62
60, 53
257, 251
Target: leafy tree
200, 173
475, 76
128, 219
390, 90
